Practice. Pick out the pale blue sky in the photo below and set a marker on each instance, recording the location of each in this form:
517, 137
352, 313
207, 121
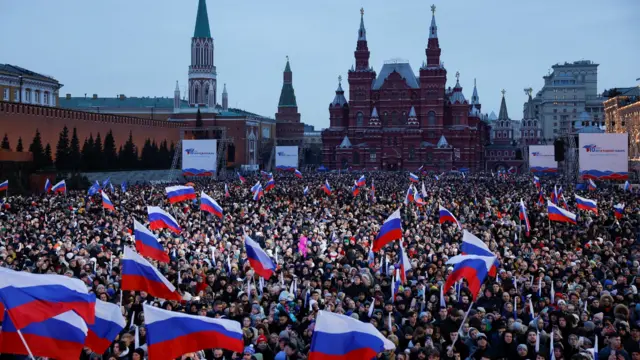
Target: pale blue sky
141, 47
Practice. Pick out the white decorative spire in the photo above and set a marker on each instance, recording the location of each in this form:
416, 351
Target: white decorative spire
176, 97
225, 98
412, 112
433, 29
362, 32
474, 98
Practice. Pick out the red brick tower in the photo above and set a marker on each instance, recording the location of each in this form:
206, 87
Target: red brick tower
289, 129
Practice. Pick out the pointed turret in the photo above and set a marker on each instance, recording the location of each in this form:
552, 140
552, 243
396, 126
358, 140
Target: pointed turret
225, 98
475, 100
457, 97
287, 95
433, 46
412, 120
530, 107
503, 115
362, 50
339, 100
442, 143
176, 97
202, 29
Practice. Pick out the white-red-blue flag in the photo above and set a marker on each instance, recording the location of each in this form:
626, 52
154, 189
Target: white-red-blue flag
524, 218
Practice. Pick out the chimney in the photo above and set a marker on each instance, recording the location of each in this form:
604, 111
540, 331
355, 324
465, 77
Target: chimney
122, 97
95, 96
68, 96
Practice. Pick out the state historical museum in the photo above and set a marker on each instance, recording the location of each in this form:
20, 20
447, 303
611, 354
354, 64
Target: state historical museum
396, 120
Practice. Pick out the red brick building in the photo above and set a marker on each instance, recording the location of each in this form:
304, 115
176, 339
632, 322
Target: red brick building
397, 120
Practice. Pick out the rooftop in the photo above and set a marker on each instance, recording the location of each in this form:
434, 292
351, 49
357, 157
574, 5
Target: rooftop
402, 68
19, 71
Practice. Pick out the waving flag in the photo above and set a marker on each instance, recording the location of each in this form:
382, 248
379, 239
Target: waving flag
395, 288
410, 196
258, 193
554, 195
147, 244
362, 181
447, 216
139, 275
627, 186
391, 230
109, 323
340, 337
256, 186
270, 184
47, 186
471, 245
305, 191
587, 204
524, 218
541, 198
373, 192
180, 193
241, 178
106, 182
326, 187
209, 205
424, 191
405, 264
226, 191
60, 187
60, 337
160, 219
536, 182
419, 199
618, 210
93, 189
32, 298
4, 186
473, 268
265, 174
172, 334
592, 185
355, 190
106, 202
297, 173
260, 262
413, 177
123, 186
559, 214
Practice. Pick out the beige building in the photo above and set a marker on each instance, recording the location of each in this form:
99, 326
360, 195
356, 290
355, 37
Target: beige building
21, 85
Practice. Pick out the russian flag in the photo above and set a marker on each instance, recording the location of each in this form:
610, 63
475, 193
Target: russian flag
139, 275
259, 260
59, 337
362, 181
340, 337
4, 186
258, 193
473, 268
47, 186
536, 181
209, 205
226, 191
554, 195
147, 244
265, 174
541, 198
524, 218
172, 334
305, 192
109, 323
471, 245
256, 187
106, 202
298, 174
180, 193
559, 214
160, 219
587, 204
270, 184
391, 230
410, 194
419, 200
446, 215
355, 190
405, 264
326, 187
242, 179
592, 185
618, 210
413, 177
59, 187
627, 186
373, 191
32, 298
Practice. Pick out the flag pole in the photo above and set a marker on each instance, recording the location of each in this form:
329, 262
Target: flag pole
24, 342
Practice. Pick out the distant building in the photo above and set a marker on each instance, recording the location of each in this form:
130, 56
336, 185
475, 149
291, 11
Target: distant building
399, 120
28, 87
622, 115
569, 90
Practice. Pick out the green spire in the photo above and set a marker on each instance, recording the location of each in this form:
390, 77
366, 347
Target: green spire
287, 68
287, 95
202, 21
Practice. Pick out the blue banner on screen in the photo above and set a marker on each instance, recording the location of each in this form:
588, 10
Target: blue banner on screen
286, 158
541, 159
604, 156
199, 157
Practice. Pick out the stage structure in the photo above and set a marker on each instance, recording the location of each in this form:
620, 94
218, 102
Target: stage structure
604, 156
218, 133
541, 159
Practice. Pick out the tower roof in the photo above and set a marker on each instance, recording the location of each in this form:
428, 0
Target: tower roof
362, 32
442, 143
339, 99
202, 21
177, 87
433, 29
475, 99
345, 142
503, 115
224, 89
287, 95
287, 68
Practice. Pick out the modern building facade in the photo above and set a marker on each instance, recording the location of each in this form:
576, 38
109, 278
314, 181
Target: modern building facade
569, 90
397, 120
20, 85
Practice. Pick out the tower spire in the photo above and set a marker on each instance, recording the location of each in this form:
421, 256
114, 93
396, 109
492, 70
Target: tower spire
362, 32
225, 98
433, 46
503, 115
433, 29
287, 95
474, 98
202, 29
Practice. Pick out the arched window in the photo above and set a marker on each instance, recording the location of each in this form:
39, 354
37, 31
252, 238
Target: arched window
499, 153
431, 118
359, 119
356, 158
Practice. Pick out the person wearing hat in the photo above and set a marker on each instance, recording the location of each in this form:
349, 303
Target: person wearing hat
482, 347
248, 353
262, 347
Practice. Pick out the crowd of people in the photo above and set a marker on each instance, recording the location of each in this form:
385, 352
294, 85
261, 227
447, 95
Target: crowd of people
570, 288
